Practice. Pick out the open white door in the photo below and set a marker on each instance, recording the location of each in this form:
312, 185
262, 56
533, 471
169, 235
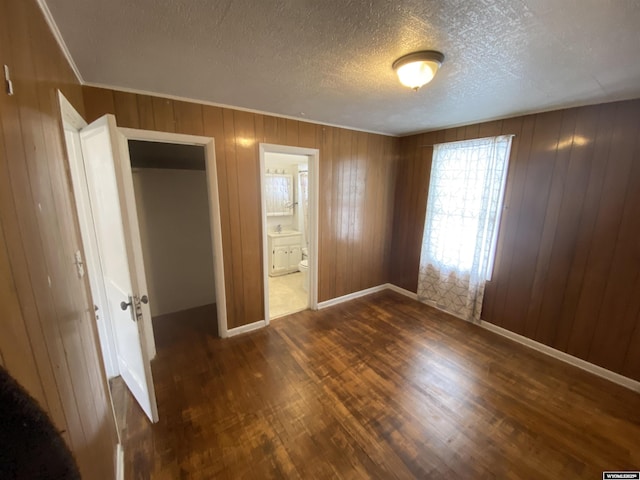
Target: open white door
108, 171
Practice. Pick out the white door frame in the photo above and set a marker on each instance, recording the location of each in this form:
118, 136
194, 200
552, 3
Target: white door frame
73, 119
214, 214
313, 156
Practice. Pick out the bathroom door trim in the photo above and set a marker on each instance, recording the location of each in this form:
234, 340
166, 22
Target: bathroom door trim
313, 158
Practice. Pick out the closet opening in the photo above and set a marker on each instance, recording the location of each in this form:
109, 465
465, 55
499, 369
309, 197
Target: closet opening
172, 203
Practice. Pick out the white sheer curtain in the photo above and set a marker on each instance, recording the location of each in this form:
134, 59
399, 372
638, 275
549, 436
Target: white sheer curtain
463, 213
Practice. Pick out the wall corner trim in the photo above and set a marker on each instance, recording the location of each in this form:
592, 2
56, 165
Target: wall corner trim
120, 462
351, 296
368, 291
402, 291
565, 357
179, 98
58, 36
246, 328
527, 342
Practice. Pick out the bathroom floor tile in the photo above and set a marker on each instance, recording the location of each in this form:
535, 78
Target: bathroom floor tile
286, 295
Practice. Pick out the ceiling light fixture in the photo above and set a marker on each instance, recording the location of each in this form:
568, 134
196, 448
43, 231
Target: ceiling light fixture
418, 68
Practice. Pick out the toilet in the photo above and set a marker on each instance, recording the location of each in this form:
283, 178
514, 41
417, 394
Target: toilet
303, 266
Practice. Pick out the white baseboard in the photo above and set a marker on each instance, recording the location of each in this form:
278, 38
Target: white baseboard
351, 296
368, 291
328, 303
402, 291
565, 357
246, 328
540, 347
120, 462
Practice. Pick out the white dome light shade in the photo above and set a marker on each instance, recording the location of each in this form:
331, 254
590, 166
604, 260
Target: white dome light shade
418, 68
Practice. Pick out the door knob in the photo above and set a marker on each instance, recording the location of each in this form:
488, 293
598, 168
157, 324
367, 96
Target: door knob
144, 299
125, 305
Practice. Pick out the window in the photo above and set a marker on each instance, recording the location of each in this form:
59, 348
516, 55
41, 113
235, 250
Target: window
463, 213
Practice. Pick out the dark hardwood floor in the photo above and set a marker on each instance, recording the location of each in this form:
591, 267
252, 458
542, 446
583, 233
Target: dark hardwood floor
379, 387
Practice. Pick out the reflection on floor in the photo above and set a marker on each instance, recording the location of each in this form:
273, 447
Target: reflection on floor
378, 387
169, 329
286, 295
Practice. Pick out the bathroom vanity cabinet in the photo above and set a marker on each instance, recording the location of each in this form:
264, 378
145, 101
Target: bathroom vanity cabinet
285, 251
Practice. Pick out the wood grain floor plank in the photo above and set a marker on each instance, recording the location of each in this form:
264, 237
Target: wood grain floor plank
379, 387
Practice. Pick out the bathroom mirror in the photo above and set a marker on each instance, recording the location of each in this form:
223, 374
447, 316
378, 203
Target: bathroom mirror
279, 194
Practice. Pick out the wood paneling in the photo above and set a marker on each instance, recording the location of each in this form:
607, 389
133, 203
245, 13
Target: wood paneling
47, 333
400, 390
357, 181
567, 266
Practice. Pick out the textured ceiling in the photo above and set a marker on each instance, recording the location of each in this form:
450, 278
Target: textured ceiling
330, 60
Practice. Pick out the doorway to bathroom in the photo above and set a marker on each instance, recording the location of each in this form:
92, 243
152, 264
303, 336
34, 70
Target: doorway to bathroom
288, 179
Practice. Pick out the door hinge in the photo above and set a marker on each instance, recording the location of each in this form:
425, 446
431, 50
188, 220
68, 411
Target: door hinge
79, 263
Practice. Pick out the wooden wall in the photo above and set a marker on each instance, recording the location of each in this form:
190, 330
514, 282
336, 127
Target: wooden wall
357, 178
567, 271
47, 332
